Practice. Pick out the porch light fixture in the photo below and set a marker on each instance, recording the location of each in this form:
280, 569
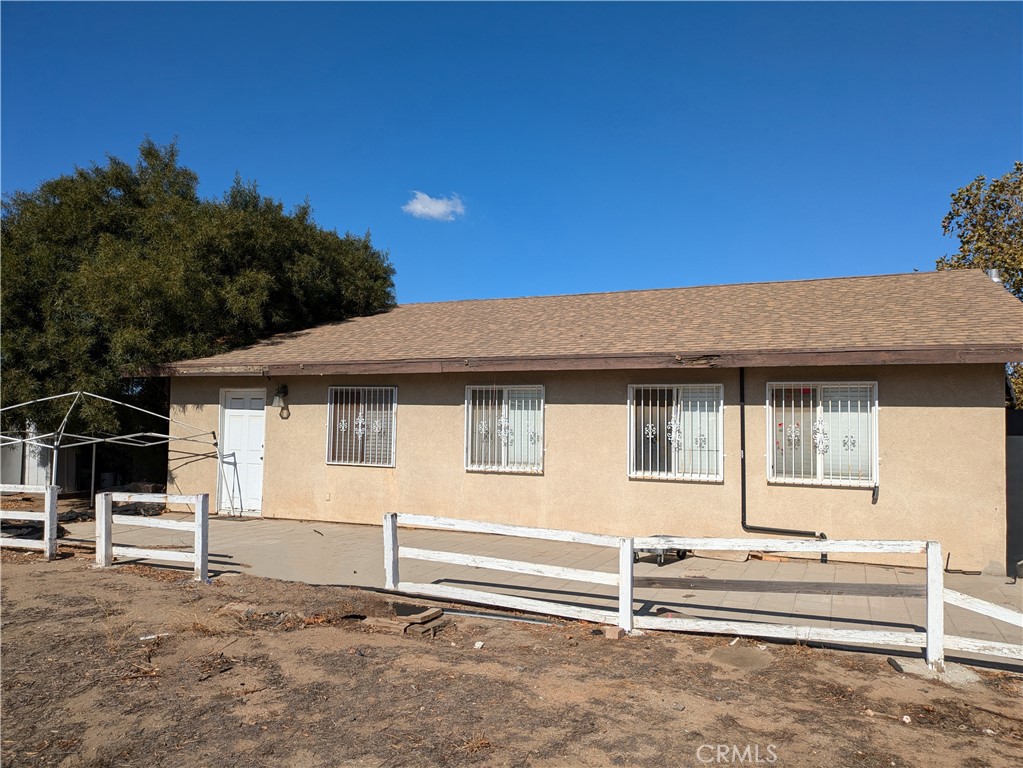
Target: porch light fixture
279, 401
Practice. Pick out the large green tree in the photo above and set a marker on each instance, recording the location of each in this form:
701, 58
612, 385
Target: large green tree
114, 269
987, 217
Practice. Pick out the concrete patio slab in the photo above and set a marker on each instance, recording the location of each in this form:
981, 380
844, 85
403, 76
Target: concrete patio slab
352, 555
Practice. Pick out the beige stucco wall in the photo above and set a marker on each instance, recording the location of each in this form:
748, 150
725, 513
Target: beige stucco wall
940, 433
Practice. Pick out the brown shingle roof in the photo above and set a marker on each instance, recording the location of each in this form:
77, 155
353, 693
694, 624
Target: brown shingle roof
953, 316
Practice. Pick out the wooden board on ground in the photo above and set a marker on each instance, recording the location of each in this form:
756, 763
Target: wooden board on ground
769, 558
428, 628
415, 614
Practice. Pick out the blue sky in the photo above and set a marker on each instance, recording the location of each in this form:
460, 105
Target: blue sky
559, 148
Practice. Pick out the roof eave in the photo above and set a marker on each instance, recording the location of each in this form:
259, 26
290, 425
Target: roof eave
929, 355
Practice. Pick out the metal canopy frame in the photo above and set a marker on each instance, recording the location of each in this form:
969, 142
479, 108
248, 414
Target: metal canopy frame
61, 438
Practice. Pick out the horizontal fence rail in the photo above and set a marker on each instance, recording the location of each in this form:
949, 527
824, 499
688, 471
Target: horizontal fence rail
784, 632
521, 531
823, 546
48, 517
106, 550
933, 640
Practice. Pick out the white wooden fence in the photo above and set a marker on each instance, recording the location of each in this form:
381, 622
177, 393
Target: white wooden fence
933, 640
930, 640
48, 517
106, 550
622, 579
997, 612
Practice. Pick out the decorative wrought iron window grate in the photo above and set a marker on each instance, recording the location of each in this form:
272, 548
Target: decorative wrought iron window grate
675, 432
822, 433
360, 425
504, 428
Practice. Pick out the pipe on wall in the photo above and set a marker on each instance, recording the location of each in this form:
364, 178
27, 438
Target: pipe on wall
742, 473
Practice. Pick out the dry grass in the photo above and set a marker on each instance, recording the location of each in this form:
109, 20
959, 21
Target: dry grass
1008, 683
158, 574
203, 623
115, 633
475, 744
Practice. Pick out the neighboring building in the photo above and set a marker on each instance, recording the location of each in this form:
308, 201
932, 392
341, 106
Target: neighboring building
873, 408
28, 464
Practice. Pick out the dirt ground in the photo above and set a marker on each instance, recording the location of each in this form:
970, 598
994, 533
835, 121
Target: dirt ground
139, 666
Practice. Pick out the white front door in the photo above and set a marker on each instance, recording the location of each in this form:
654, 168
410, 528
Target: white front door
241, 450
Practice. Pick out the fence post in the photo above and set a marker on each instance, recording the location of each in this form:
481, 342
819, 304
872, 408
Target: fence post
50, 523
104, 530
935, 651
202, 536
625, 565
391, 550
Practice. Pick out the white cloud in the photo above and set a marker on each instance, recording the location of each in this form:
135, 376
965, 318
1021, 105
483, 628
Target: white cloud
422, 206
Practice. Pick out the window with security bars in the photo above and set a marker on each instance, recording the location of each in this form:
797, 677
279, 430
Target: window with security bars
675, 432
360, 425
823, 434
504, 429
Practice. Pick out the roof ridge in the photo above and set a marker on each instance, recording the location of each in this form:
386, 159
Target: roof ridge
634, 291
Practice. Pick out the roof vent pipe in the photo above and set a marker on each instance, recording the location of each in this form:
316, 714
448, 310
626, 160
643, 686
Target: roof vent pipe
995, 275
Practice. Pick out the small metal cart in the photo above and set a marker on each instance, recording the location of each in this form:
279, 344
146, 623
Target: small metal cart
661, 552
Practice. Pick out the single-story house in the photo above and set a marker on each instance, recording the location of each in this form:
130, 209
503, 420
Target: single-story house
863, 407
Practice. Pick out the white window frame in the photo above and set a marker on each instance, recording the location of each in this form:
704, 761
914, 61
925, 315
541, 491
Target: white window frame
365, 392
502, 464
673, 473
821, 479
